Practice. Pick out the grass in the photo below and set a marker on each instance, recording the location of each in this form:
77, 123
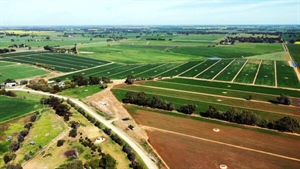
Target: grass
286, 76
20, 72
157, 71
272, 56
229, 73
295, 52
266, 74
15, 107
248, 72
214, 70
240, 87
81, 92
196, 70
180, 69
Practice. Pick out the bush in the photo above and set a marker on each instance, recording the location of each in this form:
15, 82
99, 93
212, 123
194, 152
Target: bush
287, 124
60, 143
187, 109
14, 146
73, 133
7, 157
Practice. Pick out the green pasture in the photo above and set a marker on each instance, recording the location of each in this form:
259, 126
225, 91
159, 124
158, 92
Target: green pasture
180, 69
295, 52
229, 73
199, 68
81, 92
272, 56
20, 72
266, 74
157, 71
214, 70
240, 87
248, 72
286, 76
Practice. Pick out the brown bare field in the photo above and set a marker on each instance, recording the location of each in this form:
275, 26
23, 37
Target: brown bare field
183, 152
281, 144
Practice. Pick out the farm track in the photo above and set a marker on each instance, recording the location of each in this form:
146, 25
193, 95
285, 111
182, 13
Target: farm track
275, 73
223, 69
222, 143
212, 95
239, 71
191, 68
256, 72
207, 68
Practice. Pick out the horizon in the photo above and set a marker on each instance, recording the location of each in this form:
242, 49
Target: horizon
149, 13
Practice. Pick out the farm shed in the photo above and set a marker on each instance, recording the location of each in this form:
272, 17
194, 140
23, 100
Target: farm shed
10, 84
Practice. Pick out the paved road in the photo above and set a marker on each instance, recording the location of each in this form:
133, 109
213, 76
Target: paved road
144, 156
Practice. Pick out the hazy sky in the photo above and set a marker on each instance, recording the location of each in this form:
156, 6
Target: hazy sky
148, 12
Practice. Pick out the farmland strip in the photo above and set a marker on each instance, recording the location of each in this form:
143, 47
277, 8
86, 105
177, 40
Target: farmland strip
257, 72
126, 70
151, 69
239, 71
275, 74
191, 68
207, 68
226, 144
171, 69
223, 69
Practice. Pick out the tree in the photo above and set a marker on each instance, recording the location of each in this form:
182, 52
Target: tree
8, 157
108, 162
73, 133
60, 143
14, 146
62, 109
188, 109
129, 79
283, 99
13, 166
287, 123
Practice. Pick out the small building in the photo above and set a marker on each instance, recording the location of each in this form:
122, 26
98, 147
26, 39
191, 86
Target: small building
61, 84
9, 137
50, 82
11, 84
32, 143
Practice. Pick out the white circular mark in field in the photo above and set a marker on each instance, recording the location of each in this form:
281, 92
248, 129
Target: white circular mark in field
219, 100
82, 73
228, 86
108, 72
246, 74
224, 92
132, 71
228, 73
196, 70
216, 130
47, 134
176, 70
155, 71
286, 78
223, 166
212, 71
282, 65
265, 76
86, 90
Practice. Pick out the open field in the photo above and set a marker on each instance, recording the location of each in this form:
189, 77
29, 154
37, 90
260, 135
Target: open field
18, 71
81, 92
286, 75
196, 136
157, 71
199, 68
14, 107
232, 86
266, 73
214, 70
175, 71
283, 56
295, 52
229, 73
61, 62
248, 72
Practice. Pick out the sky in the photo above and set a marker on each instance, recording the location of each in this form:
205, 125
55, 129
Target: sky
148, 12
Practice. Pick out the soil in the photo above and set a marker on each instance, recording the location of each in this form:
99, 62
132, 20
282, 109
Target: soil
287, 145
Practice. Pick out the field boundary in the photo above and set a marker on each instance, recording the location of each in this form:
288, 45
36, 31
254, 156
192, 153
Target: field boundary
207, 68
254, 80
222, 143
275, 73
239, 71
191, 68
223, 69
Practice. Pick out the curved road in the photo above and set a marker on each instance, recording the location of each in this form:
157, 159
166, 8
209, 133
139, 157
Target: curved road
149, 163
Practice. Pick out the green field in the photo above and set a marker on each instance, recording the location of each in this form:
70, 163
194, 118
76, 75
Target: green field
157, 71
272, 56
81, 92
229, 73
248, 72
199, 68
18, 71
286, 76
266, 74
15, 107
295, 52
180, 69
232, 86
214, 70
61, 62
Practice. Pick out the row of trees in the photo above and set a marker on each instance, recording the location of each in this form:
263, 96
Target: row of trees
6, 50
286, 124
258, 39
8, 93
57, 104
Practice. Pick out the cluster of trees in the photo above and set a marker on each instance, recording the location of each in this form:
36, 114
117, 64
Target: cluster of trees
43, 66
18, 46
286, 124
187, 109
57, 104
140, 98
283, 99
7, 93
7, 50
162, 39
91, 80
74, 125
15, 145
251, 39
43, 86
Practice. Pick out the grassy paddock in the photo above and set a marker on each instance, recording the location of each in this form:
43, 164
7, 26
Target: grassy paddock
286, 76
81, 92
248, 72
229, 73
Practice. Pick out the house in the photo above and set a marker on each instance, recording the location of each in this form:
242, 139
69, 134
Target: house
9, 137
11, 84
32, 143
61, 84
50, 82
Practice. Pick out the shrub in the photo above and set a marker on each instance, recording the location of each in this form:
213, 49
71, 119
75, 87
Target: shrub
7, 157
60, 143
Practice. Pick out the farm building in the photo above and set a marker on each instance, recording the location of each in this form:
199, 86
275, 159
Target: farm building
10, 84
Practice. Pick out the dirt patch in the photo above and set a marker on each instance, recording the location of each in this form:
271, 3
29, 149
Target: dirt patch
287, 145
183, 152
